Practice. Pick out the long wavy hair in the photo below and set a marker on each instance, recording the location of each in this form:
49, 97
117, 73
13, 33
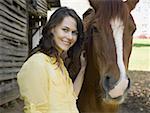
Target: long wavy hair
47, 45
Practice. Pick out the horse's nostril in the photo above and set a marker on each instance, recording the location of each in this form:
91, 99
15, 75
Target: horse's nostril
107, 77
129, 84
108, 82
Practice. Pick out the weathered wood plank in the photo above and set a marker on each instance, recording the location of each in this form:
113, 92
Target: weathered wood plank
44, 1
20, 3
13, 12
9, 44
7, 76
11, 52
20, 12
34, 12
12, 30
10, 38
23, 1
8, 73
42, 4
8, 91
13, 18
41, 8
4, 20
10, 64
9, 70
14, 36
20, 49
5, 58
8, 1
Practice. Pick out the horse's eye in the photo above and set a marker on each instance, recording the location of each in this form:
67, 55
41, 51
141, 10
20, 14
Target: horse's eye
94, 29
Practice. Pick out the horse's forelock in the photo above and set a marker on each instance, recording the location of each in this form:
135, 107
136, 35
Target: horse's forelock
110, 9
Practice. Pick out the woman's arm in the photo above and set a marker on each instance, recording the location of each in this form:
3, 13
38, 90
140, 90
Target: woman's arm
80, 77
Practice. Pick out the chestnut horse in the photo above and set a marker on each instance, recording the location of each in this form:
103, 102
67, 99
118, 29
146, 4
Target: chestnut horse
109, 27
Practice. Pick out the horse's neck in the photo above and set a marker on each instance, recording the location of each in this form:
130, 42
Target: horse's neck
90, 80
88, 92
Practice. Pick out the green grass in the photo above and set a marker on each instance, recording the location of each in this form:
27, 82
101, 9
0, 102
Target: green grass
140, 56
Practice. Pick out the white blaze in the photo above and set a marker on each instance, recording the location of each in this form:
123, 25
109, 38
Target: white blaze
118, 28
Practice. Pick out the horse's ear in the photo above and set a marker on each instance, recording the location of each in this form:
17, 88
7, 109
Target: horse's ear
87, 12
94, 4
131, 4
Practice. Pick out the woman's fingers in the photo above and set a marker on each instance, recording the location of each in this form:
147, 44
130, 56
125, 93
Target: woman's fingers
83, 59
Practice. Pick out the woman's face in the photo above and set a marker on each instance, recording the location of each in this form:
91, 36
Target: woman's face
65, 34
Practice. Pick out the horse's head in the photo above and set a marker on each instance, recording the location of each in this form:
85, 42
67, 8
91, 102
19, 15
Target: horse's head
109, 28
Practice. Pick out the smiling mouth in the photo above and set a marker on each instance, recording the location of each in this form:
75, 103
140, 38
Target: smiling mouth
66, 42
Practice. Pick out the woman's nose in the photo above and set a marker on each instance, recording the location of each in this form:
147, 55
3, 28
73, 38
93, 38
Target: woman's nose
69, 36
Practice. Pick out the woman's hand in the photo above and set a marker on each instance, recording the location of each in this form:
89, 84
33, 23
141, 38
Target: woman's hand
83, 59
80, 77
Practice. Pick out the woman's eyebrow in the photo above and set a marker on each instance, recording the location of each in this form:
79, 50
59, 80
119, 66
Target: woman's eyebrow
66, 27
69, 28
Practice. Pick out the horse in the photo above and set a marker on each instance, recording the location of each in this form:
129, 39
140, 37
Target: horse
108, 27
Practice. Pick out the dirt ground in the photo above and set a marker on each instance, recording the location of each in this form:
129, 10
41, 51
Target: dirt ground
138, 98
137, 101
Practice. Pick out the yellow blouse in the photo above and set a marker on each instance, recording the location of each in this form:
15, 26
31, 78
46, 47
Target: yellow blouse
45, 87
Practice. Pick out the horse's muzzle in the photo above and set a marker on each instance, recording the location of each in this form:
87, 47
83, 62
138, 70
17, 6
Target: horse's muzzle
115, 91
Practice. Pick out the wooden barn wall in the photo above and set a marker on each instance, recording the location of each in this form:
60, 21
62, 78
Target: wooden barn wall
13, 45
42, 6
37, 7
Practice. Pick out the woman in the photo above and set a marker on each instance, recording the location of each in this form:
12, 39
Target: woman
44, 83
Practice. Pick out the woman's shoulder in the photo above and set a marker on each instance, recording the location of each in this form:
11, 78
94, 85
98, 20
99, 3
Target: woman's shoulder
36, 61
40, 57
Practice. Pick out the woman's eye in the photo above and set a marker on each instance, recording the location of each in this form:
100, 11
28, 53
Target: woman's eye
75, 32
65, 30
